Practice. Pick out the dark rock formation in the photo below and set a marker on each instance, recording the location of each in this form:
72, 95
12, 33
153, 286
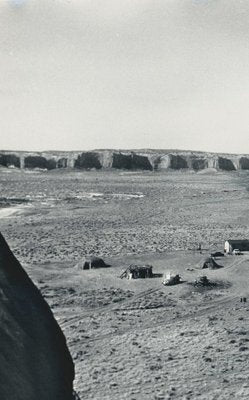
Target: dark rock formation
178, 162
198, 163
87, 161
244, 163
51, 164
35, 363
62, 163
157, 163
144, 159
39, 162
122, 161
131, 161
141, 162
225, 164
6, 160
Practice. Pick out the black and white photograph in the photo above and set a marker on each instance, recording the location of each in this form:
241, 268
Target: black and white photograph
124, 199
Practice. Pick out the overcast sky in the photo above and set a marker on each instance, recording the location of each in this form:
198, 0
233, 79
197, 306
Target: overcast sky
85, 74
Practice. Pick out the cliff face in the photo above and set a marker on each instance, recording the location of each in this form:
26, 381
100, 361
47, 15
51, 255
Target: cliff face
244, 163
226, 164
198, 163
178, 162
39, 162
35, 363
150, 160
131, 161
88, 160
6, 160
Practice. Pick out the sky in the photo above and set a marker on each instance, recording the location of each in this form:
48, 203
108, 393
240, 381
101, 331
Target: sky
88, 74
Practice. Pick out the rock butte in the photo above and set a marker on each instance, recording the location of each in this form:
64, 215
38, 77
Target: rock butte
35, 363
150, 160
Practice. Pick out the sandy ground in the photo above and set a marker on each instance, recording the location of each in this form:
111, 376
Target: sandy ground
139, 339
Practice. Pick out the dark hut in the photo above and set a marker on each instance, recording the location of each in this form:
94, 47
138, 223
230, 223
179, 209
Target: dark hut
92, 262
138, 271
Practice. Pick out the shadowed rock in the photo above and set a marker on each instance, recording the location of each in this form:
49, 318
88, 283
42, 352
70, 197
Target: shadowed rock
62, 163
226, 164
141, 162
131, 161
7, 160
39, 162
199, 163
35, 363
88, 160
177, 162
244, 163
122, 161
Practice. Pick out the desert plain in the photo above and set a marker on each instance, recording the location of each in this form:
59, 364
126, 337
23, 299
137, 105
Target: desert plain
138, 339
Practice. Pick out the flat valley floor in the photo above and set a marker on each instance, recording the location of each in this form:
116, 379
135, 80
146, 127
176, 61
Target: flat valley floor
138, 339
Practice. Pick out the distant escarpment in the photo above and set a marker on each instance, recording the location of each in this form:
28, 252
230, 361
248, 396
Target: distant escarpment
226, 164
35, 362
7, 160
131, 161
88, 160
147, 160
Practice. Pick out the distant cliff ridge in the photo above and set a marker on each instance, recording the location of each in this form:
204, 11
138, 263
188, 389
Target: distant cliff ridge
150, 160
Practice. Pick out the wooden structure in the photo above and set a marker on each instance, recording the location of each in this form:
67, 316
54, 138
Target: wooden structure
230, 245
137, 271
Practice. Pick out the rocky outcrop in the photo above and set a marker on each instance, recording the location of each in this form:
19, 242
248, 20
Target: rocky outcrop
131, 161
141, 162
39, 162
144, 159
244, 163
177, 162
62, 163
88, 160
122, 161
198, 164
8, 160
226, 164
35, 362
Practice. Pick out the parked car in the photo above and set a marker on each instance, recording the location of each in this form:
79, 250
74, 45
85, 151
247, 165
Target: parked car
236, 252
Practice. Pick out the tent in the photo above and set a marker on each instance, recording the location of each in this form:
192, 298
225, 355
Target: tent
92, 262
211, 263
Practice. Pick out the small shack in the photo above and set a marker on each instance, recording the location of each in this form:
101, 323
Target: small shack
92, 262
137, 271
230, 245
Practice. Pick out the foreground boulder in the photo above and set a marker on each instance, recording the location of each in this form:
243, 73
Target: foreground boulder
35, 363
